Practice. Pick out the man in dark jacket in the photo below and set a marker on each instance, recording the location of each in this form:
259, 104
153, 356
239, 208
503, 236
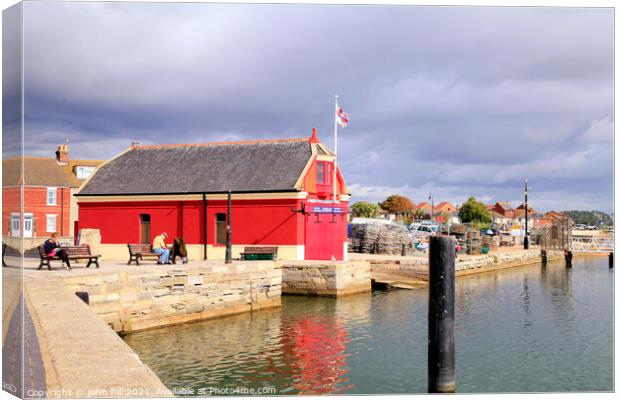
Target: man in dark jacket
179, 250
53, 249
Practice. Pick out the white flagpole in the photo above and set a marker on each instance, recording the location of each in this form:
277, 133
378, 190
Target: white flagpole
335, 145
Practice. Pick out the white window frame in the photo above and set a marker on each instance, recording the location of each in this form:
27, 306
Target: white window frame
47, 222
15, 218
55, 191
83, 172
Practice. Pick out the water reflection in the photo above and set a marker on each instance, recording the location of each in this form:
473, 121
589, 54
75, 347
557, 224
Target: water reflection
302, 351
532, 329
558, 287
317, 350
525, 304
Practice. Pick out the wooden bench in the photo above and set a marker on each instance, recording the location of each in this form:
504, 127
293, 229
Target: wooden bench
260, 250
138, 251
74, 253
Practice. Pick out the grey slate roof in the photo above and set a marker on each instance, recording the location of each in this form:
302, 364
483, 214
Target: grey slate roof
213, 168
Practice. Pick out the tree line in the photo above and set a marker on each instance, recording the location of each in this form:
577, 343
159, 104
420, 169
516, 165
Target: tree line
401, 206
594, 218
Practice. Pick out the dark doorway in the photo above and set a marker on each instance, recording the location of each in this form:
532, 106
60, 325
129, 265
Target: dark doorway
145, 228
220, 228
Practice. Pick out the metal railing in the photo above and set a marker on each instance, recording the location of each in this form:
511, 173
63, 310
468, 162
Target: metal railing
595, 244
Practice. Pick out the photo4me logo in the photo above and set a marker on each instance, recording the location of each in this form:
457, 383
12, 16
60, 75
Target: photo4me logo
222, 391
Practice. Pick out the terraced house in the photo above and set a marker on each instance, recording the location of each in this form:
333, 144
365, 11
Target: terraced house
49, 206
282, 195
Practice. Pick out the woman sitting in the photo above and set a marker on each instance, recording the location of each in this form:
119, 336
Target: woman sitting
53, 249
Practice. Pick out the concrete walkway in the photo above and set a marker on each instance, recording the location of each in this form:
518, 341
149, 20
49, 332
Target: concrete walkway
30, 361
82, 356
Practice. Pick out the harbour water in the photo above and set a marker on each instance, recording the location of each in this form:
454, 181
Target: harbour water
529, 329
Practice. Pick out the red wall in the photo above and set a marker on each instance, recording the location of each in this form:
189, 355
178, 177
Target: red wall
253, 221
266, 222
10, 204
35, 202
325, 233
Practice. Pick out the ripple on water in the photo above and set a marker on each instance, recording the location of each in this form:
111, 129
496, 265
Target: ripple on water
522, 330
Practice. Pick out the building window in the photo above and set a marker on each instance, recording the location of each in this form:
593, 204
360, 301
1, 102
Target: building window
84, 172
51, 196
328, 173
15, 224
324, 173
51, 222
220, 228
320, 172
28, 224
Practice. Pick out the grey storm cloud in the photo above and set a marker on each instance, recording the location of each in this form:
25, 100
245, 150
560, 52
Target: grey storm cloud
456, 101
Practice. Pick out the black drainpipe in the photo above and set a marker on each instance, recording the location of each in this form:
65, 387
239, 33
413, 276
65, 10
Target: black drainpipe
204, 223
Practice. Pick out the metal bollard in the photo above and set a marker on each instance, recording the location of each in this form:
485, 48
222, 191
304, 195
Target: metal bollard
543, 256
441, 371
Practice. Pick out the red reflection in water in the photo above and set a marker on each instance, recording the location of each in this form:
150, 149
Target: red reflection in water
316, 350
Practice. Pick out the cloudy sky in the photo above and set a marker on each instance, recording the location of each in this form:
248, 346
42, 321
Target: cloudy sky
454, 101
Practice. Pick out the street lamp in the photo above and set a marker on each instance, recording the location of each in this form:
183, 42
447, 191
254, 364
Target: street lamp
430, 197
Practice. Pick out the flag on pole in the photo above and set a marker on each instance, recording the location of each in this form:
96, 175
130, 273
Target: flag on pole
342, 117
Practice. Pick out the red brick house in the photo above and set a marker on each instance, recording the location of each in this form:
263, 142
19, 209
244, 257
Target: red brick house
282, 195
49, 185
504, 208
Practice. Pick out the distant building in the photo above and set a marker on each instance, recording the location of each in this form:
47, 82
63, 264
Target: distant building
501, 221
446, 217
522, 207
282, 195
556, 218
534, 218
505, 208
49, 186
386, 215
445, 206
425, 209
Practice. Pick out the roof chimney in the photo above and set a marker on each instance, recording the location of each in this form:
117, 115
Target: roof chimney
62, 154
313, 138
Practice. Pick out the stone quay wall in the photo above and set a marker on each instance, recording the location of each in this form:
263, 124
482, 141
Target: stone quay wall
168, 295
406, 268
30, 243
330, 279
416, 268
492, 262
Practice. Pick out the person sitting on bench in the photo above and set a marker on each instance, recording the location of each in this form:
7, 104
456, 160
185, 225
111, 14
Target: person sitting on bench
53, 249
159, 247
179, 250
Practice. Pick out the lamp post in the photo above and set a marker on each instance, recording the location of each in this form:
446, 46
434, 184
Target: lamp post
430, 197
526, 240
228, 232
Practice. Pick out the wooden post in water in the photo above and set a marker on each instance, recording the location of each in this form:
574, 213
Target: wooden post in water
543, 256
441, 376
568, 258
611, 259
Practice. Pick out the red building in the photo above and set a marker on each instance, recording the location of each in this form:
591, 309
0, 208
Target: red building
49, 184
282, 195
505, 208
